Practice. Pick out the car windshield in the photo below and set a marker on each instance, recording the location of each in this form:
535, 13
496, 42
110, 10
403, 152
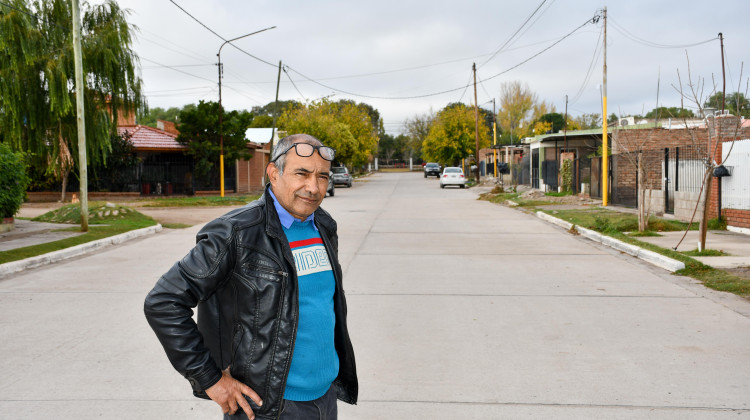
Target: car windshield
338, 170
431, 165
453, 170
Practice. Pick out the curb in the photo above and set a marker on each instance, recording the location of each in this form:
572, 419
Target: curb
658, 260
74, 251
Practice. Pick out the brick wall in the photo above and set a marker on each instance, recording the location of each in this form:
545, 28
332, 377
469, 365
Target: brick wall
653, 141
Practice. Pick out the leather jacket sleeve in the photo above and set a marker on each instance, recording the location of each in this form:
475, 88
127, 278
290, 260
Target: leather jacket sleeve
169, 306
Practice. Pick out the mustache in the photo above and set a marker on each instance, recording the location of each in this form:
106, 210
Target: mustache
307, 195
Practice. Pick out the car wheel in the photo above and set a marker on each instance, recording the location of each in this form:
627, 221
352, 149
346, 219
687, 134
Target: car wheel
425, 174
442, 186
332, 192
350, 185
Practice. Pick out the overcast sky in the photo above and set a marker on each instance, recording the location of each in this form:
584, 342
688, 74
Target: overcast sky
396, 49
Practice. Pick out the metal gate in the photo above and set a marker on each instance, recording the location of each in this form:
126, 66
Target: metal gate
535, 168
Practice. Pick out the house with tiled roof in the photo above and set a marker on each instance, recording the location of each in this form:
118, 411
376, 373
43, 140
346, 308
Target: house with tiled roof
167, 169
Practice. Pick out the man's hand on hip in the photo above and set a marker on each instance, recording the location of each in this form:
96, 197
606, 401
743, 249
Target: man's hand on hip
230, 393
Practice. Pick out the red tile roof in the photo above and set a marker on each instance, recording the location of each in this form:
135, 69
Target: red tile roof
152, 139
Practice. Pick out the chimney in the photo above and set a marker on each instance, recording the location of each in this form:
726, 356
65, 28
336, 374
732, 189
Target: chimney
167, 126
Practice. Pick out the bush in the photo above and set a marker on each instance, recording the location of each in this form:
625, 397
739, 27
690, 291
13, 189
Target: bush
13, 181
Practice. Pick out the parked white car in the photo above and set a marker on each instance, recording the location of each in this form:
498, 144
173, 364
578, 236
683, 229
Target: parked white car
452, 176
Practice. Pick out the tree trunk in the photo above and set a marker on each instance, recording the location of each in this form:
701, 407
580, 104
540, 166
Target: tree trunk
703, 228
642, 210
66, 173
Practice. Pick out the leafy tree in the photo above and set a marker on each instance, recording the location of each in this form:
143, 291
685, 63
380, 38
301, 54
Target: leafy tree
671, 112
417, 129
556, 120
119, 167
516, 102
736, 103
452, 136
263, 115
37, 89
346, 127
172, 114
13, 181
392, 148
588, 121
199, 130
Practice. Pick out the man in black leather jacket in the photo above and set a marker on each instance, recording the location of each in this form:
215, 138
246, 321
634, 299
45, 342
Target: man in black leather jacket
243, 277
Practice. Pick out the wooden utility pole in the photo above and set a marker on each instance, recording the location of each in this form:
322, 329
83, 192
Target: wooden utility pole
565, 124
476, 121
605, 139
275, 108
494, 134
81, 122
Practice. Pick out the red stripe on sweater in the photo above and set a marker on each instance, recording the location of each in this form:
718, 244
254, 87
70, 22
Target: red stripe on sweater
305, 242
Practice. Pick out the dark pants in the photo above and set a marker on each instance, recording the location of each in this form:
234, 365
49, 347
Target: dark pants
324, 408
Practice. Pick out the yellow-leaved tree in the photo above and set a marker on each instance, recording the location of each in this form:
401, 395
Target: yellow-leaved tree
346, 127
451, 136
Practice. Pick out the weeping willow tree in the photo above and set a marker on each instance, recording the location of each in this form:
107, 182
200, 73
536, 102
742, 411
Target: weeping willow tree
37, 80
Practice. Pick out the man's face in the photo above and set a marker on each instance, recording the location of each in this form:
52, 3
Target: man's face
302, 187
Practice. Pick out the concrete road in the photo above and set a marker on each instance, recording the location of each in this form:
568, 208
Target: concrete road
458, 309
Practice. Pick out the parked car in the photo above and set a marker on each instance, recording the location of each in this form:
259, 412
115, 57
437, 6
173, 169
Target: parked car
331, 186
453, 176
432, 168
341, 176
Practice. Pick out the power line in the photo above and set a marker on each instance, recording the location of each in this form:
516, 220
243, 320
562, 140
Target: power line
295, 86
221, 37
175, 69
647, 43
594, 20
514, 33
597, 51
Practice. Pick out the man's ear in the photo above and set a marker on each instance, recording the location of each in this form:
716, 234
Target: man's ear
272, 171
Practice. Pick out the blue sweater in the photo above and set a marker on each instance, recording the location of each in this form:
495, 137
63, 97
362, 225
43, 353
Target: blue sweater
315, 363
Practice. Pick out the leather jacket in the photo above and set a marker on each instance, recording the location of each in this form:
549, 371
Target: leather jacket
241, 275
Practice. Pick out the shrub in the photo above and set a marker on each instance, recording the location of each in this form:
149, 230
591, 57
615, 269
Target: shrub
13, 181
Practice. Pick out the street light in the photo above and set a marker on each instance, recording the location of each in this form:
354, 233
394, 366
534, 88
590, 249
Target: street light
221, 110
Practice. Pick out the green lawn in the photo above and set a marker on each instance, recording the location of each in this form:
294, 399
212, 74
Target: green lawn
104, 221
615, 224
202, 201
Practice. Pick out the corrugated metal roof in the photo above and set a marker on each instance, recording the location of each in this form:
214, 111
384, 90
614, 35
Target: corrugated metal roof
149, 138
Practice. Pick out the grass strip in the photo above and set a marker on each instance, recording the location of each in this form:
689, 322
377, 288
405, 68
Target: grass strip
202, 201
95, 233
713, 278
103, 223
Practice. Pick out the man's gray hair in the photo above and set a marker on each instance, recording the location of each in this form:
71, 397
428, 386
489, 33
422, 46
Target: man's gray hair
284, 144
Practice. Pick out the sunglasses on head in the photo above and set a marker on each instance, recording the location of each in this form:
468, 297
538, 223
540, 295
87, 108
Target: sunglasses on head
307, 150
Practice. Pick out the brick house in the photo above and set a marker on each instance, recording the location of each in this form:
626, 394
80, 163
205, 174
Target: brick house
166, 169
681, 148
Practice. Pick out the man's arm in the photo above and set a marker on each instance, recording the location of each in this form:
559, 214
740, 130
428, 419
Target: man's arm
169, 306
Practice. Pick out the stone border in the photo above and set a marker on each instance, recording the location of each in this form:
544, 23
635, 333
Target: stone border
74, 251
638, 252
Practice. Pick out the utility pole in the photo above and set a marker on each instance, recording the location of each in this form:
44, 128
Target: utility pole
565, 124
605, 139
723, 75
221, 110
476, 121
273, 127
81, 122
275, 109
494, 134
